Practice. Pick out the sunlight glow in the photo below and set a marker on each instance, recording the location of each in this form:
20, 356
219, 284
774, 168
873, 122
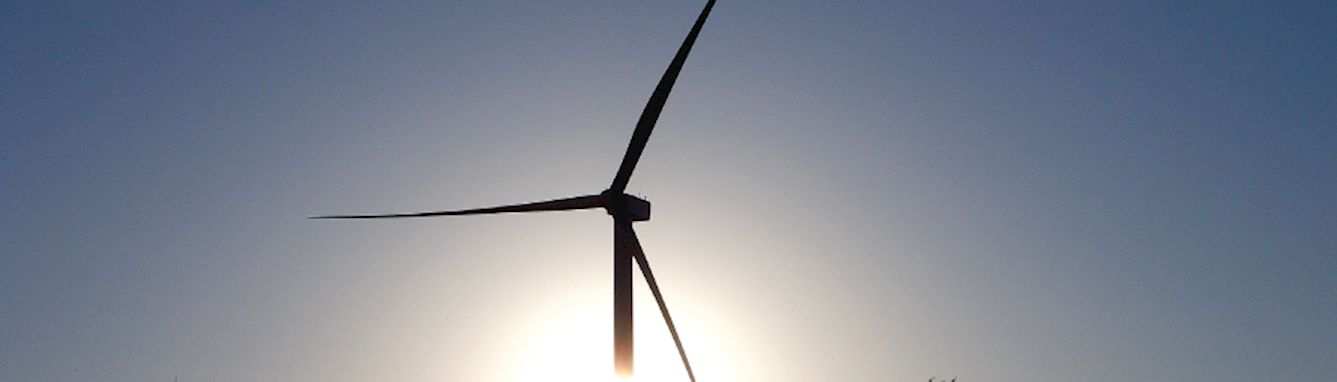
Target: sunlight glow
578, 346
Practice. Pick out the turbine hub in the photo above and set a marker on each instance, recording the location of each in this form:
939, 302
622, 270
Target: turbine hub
635, 208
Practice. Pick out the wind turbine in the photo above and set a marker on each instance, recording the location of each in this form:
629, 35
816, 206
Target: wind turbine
624, 209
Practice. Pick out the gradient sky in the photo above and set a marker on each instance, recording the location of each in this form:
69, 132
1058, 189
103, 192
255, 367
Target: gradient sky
843, 190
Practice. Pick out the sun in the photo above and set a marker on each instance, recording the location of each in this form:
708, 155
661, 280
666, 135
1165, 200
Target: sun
578, 346
575, 347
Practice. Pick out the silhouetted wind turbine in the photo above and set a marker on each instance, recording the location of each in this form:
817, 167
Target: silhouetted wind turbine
624, 209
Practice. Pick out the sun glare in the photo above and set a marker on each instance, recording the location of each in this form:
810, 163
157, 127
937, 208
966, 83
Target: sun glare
578, 347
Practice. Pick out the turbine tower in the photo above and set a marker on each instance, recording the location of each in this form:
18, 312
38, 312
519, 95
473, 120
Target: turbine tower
624, 209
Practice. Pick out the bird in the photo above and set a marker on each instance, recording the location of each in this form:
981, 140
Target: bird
623, 208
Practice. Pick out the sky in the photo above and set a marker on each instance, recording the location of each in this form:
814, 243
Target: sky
842, 190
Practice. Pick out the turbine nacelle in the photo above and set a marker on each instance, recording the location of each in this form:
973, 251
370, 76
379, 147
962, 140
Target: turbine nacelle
635, 208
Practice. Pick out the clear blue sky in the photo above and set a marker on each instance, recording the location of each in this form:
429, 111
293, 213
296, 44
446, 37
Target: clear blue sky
872, 191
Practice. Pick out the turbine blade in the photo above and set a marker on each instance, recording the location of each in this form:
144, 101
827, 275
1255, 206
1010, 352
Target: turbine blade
573, 203
634, 245
656, 105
